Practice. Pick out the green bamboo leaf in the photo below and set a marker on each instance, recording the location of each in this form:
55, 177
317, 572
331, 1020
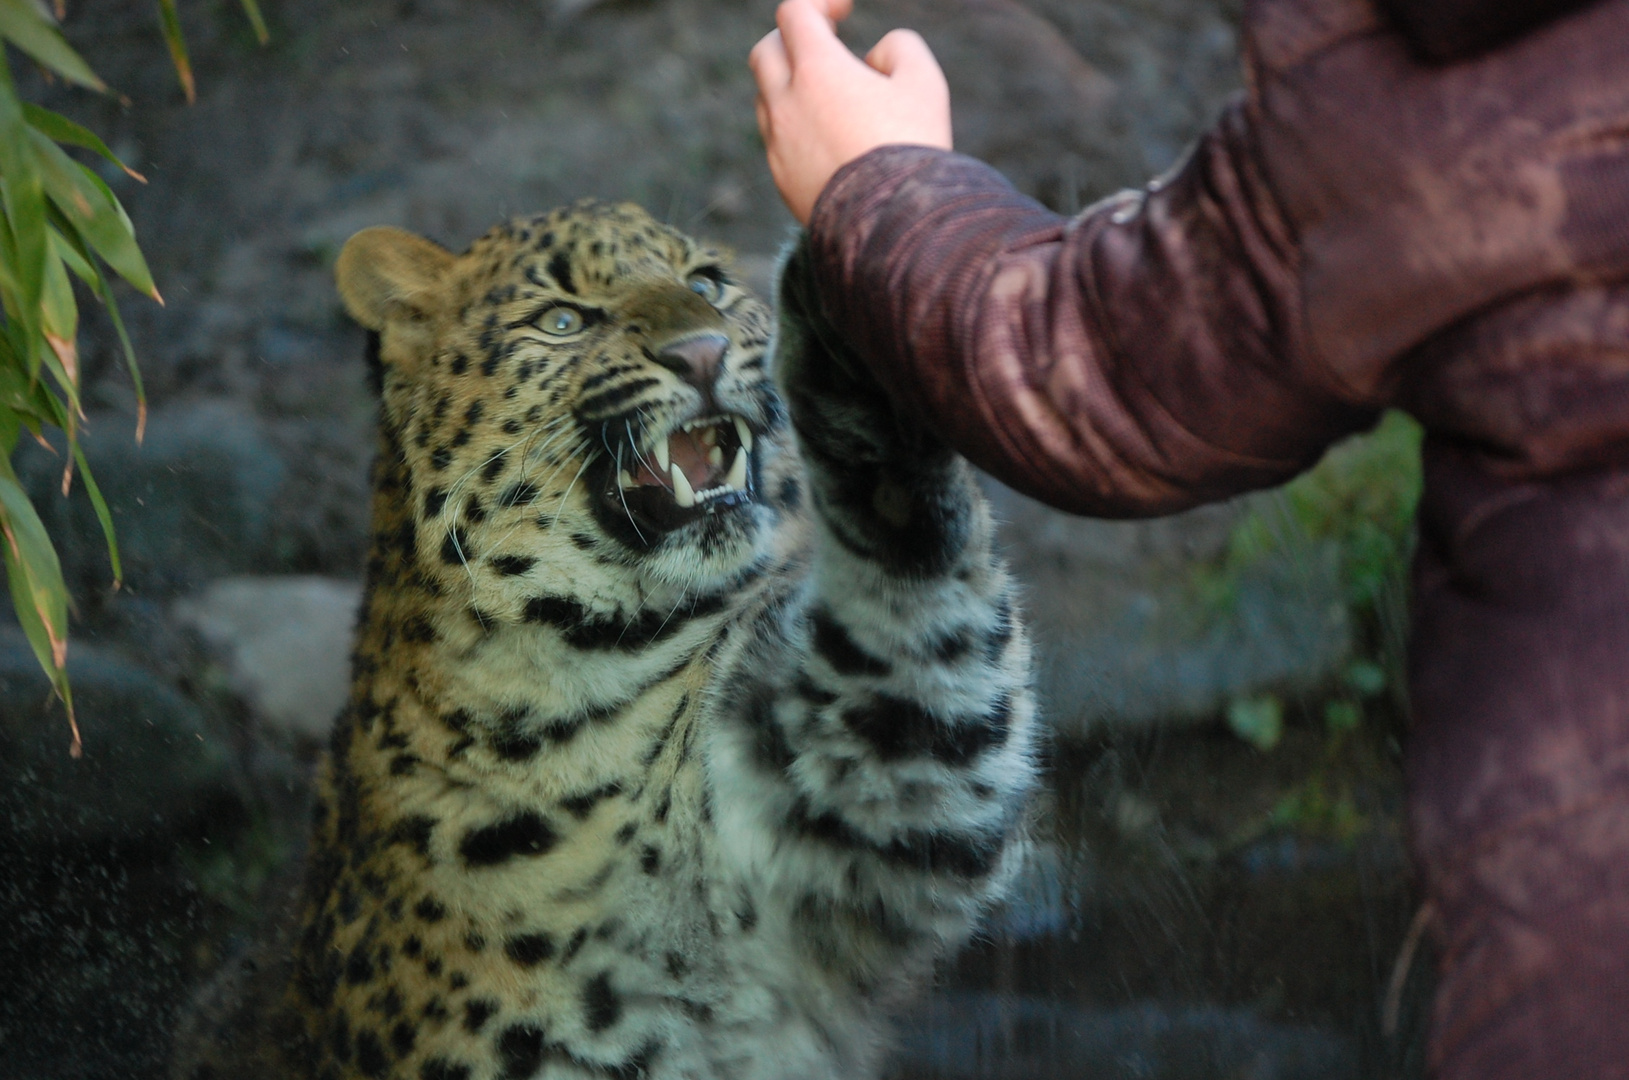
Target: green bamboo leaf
59, 311
35, 575
28, 28
256, 20
69, 252
102, 514
104, 292
177, 43
64, 130
85, 199
24, 202
37, 630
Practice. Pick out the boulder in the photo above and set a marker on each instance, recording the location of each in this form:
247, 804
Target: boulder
151, 762
285, 643
1135, 626
193, 501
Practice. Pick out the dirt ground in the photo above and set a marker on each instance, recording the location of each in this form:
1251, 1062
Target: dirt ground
1175, 927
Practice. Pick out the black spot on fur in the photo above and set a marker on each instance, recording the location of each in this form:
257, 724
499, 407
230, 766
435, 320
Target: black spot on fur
417, 630
996, 643
770, 748
834, 644
440, 458
376, 366
578, 936
402, 1039
472, 415
414, 831
520, 1050
580, 806
455, 549
951, 647
441, 1069
494, 466
339, 1040
897, 728
460, 364
370, 1054
584, 630
358, 966
601, 1005
926, 852
626, 832
529, 950
430, 910
559, 268
434, 500
516, 494
650, 859
477, 1011
524, 834
512, 565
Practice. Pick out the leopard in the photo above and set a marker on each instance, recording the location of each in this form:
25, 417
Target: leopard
690, 727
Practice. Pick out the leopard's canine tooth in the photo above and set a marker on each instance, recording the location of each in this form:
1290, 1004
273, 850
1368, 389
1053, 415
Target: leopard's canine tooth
683, 493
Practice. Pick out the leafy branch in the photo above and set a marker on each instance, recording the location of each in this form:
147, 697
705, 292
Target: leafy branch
58, 221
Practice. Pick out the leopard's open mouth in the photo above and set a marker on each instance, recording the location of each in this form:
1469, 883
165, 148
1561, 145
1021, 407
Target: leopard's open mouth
659, 481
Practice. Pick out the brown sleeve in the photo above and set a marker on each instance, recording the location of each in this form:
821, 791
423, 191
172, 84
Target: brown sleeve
1130, 361
1454, 29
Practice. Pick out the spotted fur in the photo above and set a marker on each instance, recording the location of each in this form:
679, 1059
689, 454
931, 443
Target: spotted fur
624, 789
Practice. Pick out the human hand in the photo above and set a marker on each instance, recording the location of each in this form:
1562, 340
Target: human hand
820, 106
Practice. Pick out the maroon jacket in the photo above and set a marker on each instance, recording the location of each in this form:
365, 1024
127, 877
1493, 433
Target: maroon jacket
1361, 230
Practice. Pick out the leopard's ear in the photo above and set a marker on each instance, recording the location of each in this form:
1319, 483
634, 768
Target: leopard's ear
388, 275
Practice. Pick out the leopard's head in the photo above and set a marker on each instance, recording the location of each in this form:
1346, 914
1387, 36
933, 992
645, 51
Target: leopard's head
585, 384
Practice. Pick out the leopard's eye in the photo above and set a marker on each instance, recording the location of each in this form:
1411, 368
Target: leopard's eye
706, 286
560, 321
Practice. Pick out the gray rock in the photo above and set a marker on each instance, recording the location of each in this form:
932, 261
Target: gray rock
977, 1036
1128, 634
151, 761
285, 642
192, 502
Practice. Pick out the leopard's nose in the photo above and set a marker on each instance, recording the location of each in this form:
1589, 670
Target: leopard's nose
696, 360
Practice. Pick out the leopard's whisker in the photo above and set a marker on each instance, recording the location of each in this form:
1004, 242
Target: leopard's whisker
624, 498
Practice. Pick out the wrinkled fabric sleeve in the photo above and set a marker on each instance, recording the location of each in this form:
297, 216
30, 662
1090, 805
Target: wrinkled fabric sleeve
1137, 359
1454, 29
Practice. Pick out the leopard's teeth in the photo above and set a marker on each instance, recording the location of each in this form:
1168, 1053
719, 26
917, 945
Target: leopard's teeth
738, 471
744, 433
683, 493
662, 460
715, 456
624, 479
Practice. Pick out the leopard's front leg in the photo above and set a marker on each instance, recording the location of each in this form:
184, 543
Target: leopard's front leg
880, 729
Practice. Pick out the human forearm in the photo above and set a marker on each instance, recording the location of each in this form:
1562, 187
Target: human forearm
1134, 361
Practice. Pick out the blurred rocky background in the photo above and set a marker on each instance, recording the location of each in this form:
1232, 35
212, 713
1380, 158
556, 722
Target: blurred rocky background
1219, 889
